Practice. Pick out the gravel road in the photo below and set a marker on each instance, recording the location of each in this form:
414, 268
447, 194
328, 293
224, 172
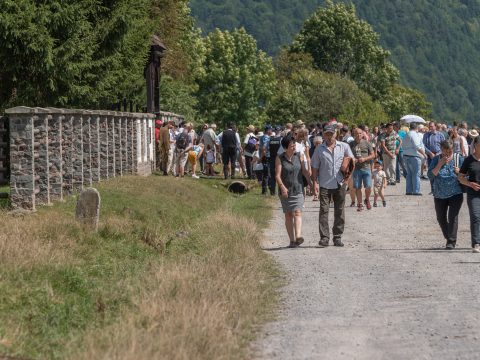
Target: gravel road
391, 293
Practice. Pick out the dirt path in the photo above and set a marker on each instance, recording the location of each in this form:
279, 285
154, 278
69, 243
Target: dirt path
391, 293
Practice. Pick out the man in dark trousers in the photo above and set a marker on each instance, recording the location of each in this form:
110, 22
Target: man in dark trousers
273, 147
229, 144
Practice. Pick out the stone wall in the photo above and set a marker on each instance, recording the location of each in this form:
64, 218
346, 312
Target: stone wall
55, 152
4, 151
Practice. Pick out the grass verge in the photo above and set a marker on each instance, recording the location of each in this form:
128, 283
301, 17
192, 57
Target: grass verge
175, 272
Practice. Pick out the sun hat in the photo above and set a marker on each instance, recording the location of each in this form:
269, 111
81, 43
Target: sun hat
299, 123
251, 128
473, 133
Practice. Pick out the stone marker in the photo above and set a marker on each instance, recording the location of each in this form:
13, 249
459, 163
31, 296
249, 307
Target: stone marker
88, 208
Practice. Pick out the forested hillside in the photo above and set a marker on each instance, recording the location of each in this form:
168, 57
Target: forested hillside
434, 43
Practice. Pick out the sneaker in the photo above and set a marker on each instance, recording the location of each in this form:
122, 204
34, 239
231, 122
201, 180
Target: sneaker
384, 203
195, 176
338, 242
476, 248
375, 204
323, 243
450, 246
292, 245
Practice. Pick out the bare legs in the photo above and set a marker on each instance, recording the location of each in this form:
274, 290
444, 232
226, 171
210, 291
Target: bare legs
289, 225
293, 223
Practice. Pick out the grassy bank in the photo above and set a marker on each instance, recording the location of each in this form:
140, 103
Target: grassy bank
175, 272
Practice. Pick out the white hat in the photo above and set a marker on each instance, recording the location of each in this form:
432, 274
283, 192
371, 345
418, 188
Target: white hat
473, 133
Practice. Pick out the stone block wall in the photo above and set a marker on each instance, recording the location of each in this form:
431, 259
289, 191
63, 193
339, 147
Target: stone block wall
4, 151
55, 152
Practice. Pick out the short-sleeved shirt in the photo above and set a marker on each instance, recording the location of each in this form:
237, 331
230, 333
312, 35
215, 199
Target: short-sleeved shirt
209, 137
471, 168
445, 184
329, 164
391, 141
264, 142
361, 150
379, 177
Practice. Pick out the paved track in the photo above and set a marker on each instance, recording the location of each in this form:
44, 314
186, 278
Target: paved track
391, 293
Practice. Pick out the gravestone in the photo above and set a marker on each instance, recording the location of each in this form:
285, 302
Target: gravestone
88, 208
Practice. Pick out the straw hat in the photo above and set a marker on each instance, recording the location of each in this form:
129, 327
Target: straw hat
473, 133
251, 128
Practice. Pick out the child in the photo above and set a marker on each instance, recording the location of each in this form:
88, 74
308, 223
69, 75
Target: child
193, 155
379, 183
257, 164
210, 160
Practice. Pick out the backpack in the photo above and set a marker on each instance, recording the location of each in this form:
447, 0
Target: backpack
182, 141
251, 144
274, 146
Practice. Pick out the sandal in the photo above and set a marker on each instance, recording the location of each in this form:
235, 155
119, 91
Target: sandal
299, 241
360, 207
352, 204
315, 198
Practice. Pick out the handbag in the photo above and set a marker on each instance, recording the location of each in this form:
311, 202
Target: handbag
347, 168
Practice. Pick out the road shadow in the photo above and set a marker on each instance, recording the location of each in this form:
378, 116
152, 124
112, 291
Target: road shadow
427, 250
290, 248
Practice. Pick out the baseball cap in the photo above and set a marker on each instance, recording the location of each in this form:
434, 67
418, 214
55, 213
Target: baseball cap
268, 127
329, 128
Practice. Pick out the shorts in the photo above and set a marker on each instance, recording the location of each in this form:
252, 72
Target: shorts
362, 176
181, 159
192, 158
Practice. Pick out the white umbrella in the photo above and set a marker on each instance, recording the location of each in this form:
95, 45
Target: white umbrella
413, 119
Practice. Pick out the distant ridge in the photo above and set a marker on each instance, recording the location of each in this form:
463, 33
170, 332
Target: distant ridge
434, 43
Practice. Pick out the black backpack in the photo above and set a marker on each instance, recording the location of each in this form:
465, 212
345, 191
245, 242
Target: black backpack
274, 146
182, 141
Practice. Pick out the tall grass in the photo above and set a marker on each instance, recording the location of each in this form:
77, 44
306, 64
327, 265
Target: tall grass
175, 272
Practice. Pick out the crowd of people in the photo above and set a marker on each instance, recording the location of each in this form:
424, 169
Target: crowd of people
331, 161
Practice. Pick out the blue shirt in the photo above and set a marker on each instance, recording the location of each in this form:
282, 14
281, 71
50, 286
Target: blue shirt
412, 143
445, 184
264, 141
329, 163
432, 142
402, 135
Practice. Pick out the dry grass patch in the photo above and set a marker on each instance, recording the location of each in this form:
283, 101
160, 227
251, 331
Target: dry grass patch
175, 272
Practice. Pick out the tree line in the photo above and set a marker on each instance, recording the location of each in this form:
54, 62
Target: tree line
90, 53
